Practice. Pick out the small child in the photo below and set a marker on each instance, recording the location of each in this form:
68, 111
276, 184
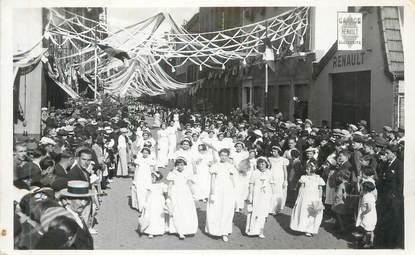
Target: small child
367, 217
368, 175
305, 217
339, 205
154, 206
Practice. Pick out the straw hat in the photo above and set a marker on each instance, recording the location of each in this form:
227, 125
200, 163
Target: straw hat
77, 189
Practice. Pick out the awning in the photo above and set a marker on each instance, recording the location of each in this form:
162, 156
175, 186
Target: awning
66, 88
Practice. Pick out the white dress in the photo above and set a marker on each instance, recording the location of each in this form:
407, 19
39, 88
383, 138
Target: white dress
279, 197
162, 148
369, 220
241, 190
220, 211
141, 181
301, 218
189, 156
202, 177
176, 120
184, 217
172, 137
262, 193
156, 120
243, 177
123, 156
154, 210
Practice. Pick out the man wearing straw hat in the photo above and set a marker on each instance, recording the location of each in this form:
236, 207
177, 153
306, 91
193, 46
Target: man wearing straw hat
76, 199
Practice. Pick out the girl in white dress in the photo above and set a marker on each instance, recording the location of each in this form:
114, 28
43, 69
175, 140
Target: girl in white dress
186, 153
303, 217
261, 189
149, 142
172, 137
367, 216
221, 204
176, 119
237, 156
154, 206
245, 168
145, 165
279, 173
209, 140
203, 160
162, 146
156, 119
183, 218
195, 142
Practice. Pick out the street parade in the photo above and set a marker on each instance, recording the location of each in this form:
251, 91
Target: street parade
113, 166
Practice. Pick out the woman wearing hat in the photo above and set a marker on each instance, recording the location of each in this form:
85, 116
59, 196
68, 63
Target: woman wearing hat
261, 189
279, 173
221, 204
183, 217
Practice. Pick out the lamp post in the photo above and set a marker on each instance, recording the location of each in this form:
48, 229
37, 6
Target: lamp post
268, 56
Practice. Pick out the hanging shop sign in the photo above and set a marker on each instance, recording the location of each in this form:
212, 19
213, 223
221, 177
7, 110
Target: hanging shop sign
349, 31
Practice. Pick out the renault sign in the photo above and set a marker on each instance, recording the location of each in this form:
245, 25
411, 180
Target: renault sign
349, 31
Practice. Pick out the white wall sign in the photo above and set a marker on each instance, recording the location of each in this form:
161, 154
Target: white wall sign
349, 31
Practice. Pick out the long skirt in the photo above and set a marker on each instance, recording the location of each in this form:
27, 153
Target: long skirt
122, 169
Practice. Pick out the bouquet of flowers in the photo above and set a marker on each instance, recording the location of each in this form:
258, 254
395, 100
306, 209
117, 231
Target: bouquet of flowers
315, 208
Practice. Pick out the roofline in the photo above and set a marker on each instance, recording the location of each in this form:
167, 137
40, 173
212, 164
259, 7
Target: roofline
319, 66
399, 75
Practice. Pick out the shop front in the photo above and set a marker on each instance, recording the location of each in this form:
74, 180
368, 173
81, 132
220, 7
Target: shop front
350, 86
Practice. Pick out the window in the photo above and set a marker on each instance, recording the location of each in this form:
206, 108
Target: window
401, 111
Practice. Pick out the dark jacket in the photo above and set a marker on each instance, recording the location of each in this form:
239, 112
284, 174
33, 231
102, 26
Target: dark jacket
77, 173
61, 179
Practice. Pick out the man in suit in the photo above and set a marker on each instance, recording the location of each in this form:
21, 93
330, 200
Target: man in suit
391, 218
76, 199
61, 171
83, 169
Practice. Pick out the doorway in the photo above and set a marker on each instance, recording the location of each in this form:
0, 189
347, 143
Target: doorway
350, 98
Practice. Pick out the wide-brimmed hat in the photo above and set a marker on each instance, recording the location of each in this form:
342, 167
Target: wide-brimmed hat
77, 189
46, 141
124, 130
258, 132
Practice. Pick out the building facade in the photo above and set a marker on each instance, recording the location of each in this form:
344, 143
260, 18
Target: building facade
242, 85
363, 85
31, 89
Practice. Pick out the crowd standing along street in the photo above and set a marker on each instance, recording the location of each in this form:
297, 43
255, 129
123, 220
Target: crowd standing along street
231, 167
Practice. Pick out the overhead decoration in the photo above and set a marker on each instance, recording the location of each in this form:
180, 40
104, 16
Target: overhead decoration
140, 59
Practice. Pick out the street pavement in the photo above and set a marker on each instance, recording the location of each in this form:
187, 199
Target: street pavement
117, 228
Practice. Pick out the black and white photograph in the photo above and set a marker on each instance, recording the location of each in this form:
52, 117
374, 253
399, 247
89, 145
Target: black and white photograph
242, 127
